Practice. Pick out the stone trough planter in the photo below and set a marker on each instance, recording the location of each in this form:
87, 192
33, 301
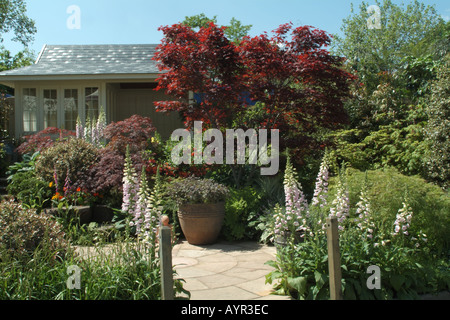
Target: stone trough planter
87, 214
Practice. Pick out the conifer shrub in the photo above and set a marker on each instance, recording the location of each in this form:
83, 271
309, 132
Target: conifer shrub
387, 189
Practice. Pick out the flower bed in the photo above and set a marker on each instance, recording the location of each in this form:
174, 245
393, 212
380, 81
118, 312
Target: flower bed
398, 223
405, 243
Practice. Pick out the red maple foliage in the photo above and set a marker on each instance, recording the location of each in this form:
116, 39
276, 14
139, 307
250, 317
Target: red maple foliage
204, 62
299, 85
43, 140
296, 79
134, 132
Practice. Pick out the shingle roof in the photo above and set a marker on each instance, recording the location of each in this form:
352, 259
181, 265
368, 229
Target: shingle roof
91, 60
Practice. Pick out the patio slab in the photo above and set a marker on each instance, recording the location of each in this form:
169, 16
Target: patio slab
225, 270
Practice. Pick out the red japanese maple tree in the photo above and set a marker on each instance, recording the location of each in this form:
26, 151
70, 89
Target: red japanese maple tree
300, 86
297, 83
203, 62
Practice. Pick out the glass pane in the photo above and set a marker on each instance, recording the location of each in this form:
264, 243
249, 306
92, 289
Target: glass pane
92, 109
70, 109
50, 108
29, 110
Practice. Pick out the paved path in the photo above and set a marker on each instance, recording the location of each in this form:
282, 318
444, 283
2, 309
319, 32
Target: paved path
225, 271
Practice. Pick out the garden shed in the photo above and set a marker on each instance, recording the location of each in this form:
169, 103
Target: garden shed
71, 81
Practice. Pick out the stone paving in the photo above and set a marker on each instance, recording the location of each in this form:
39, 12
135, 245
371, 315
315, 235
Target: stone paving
225, 271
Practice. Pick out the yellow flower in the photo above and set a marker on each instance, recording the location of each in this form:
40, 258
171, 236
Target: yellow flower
50, 184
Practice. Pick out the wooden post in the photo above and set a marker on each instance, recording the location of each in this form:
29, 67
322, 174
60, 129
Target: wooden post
334, 259
165, 253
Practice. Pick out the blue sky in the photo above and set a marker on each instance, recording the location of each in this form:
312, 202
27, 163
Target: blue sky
137, 21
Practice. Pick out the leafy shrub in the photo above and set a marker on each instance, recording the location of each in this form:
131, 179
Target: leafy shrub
105, 176
27, 164
68, 159
387, 188
30, 190
400, 144
240, 207
22, 231
159, 155
25, 186
196, 190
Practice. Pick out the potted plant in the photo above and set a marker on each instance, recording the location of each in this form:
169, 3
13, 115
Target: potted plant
201, 208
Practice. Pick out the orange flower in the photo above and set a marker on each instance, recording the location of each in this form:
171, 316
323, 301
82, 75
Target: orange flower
57, 196
78, 189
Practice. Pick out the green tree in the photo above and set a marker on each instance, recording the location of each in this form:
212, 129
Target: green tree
235, 31
199, 21
437, 131
21, 59
435, 43
396, 66
373, 51
13, 18
8, 62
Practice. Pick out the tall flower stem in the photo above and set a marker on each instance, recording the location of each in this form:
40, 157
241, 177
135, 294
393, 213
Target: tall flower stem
130, 190
292, 220
319, 200
341, 204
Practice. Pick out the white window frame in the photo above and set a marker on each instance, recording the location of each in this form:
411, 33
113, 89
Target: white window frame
80, 87
41, 124
22, 98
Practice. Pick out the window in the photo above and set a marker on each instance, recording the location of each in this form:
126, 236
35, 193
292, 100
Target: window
50, 108
29, 110
58, 106
70, 109
91, 99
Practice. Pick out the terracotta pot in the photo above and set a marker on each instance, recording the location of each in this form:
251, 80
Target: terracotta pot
201, 223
